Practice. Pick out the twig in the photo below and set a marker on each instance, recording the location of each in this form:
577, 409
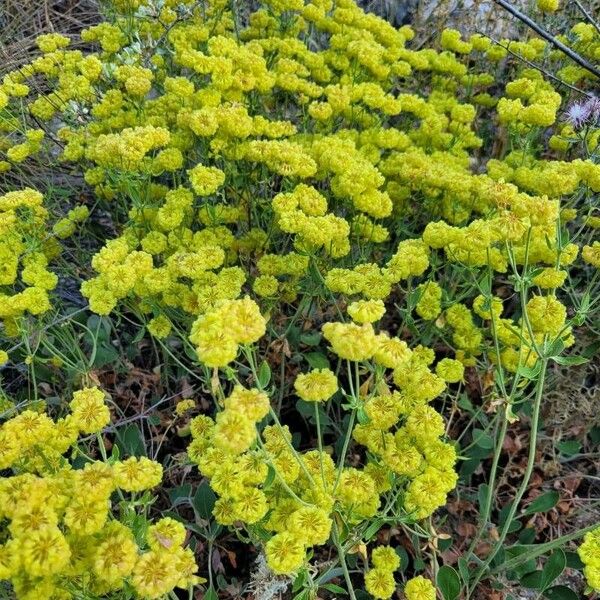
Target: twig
588, 16
582, 62
539, 68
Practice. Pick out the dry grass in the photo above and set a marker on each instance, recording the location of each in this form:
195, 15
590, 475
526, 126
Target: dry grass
22, 20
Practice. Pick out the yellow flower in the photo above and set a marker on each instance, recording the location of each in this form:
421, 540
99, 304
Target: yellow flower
206, 180
89, 410
252, 404
166, 534
380, 583
159, 327
366, 311
548, 5
419, 588
285, 553
44, 552
243, 320
155, 574
116, 554
8, 560
591, 254
450, 370
250, 505
351, 341
429, 303
310, 524
385, 558
317, 386
184, 406
86, 515
137, 474
234, 432
546, 314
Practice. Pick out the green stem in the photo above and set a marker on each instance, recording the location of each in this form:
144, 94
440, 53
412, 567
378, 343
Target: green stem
541, 549
524, 483
342, 557
345, 448
485, 517
320, 441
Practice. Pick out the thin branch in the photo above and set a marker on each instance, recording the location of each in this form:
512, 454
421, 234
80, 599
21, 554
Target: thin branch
539, 68
588, 16
582, 62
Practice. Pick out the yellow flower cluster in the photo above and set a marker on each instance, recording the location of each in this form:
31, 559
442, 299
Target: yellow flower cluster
317, 386
589, 553
419, 588
148, 122
218, 333
279, 158
60, 535
25, 251
379, 581
67, 226
262, 479
402, 431
584, 39
542, 102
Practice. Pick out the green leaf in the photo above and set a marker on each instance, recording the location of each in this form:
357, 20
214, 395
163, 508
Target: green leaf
329, 575
515, 525
569, 447
482, 439
306, 409
336, 589
130, 440
105, 354
317, 360
504, 513
543, 503
204, 501
530, 372
463, 567
553, 567
403, 555
532, 580
311, 338
465, 403
483, 493
264, 374
299, 581
139, 336
591, 350
519, 571
115, 454
448, 581
443, 545
270, 478
554, 348
560, 592
570, 361
373, 528
573, 561
527, 536
210, 594
180, 494
477, 452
